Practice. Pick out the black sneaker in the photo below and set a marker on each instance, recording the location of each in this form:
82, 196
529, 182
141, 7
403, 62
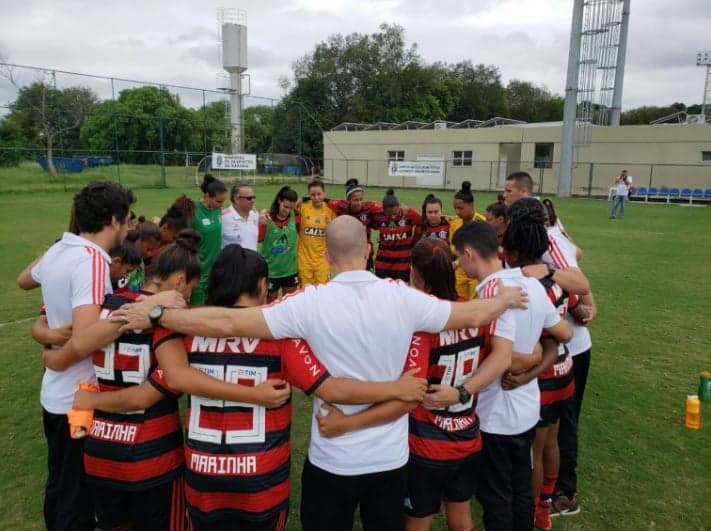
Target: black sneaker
565, 506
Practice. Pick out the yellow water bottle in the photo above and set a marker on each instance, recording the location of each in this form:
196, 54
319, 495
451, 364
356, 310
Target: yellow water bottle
693, 412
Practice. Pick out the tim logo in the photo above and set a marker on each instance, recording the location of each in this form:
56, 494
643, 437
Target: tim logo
218, 160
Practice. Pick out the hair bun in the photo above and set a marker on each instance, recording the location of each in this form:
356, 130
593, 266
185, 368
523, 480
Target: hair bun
189, 239
390, 191
351, 182
466, 186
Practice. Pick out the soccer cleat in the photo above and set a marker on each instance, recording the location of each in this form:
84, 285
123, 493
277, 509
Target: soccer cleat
80, 419
562, 505
542, 517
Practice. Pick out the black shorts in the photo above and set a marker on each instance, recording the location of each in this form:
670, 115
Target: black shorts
429, 486
272, 521
550, 413
161, 507
284, 282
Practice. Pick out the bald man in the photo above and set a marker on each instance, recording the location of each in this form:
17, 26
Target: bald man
359, 326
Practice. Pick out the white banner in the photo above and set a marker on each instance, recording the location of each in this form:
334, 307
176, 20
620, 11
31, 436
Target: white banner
426, 172
240, 161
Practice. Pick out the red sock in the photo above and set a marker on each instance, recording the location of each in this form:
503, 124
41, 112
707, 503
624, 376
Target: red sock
548, 487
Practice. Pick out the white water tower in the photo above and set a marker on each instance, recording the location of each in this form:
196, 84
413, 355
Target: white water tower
232, 29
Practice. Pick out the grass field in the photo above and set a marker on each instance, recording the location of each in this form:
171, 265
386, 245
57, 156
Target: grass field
640, 468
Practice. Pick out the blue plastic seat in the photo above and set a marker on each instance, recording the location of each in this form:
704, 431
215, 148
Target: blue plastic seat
652, 192
686, 193
663, 191
674, 193
698, 193
707, 193
641, 191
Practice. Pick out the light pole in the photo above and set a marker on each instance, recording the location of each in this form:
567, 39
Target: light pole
704, 59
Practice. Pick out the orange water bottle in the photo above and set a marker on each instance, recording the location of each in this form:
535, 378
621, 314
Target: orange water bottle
693, 412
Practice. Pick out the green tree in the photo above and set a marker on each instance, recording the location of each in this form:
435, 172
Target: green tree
482, 95
646, 114
136, 121
50, 118
11, 142
258, 127
531, 103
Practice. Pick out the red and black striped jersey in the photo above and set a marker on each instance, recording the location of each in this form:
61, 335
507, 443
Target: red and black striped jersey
365, 216
395, 242
439, 231
237, 455
557, 382
444, 436
139, 449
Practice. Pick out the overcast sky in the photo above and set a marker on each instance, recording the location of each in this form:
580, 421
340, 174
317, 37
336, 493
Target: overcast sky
176, 42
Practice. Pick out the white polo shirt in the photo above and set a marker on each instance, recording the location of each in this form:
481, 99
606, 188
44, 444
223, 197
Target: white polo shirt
516, 411
73, 272
359, 326
561, 254
236, 229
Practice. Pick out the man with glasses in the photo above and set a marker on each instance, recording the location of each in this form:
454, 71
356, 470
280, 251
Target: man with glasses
240, 221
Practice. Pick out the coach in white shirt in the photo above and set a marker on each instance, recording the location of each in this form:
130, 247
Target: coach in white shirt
358, 325
240, 221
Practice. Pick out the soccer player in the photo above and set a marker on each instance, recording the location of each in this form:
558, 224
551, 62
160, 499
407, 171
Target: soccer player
497, 218
445, 442
464, 207
396, 228
133, 455
350, 326
434, 223
179, 216
356, 206
240, 221
147, 239
525, 241
313, 218
74, 276
207, 222
278, 240
508, 418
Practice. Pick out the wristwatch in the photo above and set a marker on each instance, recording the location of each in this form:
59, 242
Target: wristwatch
464, 395
155, 314
551, 272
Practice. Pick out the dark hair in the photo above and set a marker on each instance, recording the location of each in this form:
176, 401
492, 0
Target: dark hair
284, 193
317, 182
526, 232
234, 191
236, 271
465, 192
390, 200
479, 236
212, 186
182, 255
180, 214
352, 187
127, 252
433, 262
550, 211
98, 203
430, 199
73, 222
522, 179
500, 198
146, 230
498, 210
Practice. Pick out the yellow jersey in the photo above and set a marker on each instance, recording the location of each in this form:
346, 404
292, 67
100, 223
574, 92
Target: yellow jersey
466, 287
311, 251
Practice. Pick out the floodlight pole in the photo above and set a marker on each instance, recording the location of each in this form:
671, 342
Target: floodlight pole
704, 59
616, 110
565, 173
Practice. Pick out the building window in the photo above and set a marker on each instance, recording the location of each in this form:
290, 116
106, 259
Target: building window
706, 156
543, 156
461, 158
395, 156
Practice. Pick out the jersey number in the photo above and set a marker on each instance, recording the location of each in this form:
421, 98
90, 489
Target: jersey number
141, 355
232, 374
458, 368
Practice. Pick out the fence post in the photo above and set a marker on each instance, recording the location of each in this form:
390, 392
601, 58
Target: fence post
491, 175
651, 174
590, 177
116, 140
162, 153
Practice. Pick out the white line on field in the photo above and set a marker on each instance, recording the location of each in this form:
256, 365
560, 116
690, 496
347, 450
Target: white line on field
26, 319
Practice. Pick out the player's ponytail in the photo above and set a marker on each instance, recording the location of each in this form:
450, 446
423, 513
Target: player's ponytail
465, 192
181, 256
237, 271
432, 262
390, 201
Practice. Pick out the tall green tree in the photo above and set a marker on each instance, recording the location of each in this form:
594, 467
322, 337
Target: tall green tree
258, 127
50, 118
482, 94
531, 103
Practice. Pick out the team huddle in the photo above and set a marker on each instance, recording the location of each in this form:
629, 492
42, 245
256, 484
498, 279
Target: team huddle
448, 365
